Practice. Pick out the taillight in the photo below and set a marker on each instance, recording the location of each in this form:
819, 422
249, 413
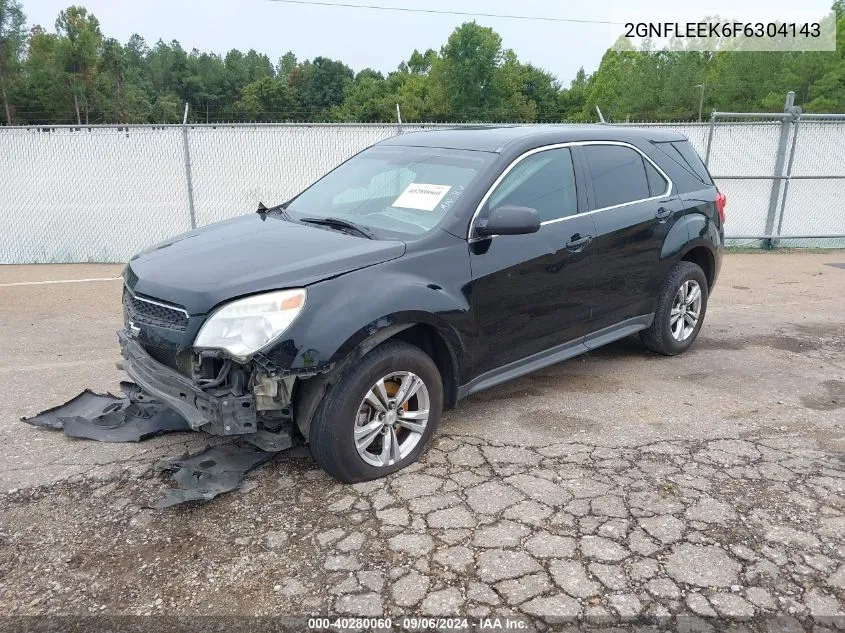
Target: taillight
721, 200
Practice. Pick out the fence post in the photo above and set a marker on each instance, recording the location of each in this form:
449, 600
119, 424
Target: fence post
788, 171
785, 124
710, 139
186, 150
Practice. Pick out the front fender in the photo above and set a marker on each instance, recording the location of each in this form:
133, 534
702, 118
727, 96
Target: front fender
384, 327
342, 313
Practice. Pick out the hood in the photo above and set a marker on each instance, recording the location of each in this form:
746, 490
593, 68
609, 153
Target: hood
248, 254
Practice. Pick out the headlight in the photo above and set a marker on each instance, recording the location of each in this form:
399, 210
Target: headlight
244, 326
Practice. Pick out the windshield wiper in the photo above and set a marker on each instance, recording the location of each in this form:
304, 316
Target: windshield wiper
340, 223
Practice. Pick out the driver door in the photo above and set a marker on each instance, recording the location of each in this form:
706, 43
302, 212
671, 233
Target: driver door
533, 292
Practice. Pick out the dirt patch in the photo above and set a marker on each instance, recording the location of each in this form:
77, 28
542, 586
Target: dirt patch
578, 383
696, 376
827, 336
557, 421
832, 396
787, 343
504, 393
780, 341
719, 344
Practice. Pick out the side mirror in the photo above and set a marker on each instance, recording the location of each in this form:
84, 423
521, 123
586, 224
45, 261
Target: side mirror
509, 220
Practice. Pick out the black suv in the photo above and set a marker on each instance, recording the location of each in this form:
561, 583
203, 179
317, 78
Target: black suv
425, 268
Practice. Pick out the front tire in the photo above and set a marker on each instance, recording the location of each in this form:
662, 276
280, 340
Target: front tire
681, 306
379, 417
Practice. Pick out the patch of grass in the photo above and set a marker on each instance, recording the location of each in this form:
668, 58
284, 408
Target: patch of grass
745, 250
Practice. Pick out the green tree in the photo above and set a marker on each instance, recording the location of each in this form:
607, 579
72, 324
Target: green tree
421, 63
471, 57
510, 103
365, 99
78, 75
122, 95
680, 73
542, 88
204, 84
12, 38
265, 99
47, 94
320, 86
286, 65
571, 101
78, 50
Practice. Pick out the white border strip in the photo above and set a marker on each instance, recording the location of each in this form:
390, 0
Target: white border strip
58, 281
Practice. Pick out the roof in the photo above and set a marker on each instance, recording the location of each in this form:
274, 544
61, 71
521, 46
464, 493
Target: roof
497, 139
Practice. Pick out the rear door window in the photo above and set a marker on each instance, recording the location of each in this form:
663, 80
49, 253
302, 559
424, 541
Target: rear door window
617, 173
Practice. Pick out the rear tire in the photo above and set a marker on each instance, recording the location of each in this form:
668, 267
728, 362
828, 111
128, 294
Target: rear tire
347, 437
681, 307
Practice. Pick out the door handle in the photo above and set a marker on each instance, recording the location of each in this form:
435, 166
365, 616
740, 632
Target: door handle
577, 242
663, 214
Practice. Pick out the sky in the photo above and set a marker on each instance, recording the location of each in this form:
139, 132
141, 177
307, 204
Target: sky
382, 39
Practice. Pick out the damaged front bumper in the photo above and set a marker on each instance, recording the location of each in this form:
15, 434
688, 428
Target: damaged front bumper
255, 409
219, 415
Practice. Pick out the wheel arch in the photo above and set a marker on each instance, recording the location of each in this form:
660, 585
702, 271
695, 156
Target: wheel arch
704, 258
423, 330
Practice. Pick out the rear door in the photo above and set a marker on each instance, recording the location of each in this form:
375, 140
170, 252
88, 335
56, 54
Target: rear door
532, 292
633, 207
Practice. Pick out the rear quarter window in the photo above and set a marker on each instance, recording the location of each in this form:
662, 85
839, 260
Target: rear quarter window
683, 153
657, 184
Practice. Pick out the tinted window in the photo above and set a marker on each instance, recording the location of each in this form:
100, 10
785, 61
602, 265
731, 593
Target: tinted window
683, 154
657, 184
544, 181
617, 173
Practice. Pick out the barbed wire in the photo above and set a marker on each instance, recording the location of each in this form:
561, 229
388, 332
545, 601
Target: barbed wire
41, 117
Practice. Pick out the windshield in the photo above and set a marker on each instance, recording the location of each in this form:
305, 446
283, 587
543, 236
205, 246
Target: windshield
393, 190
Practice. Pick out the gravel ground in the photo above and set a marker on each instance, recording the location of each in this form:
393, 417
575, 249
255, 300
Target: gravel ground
615, 486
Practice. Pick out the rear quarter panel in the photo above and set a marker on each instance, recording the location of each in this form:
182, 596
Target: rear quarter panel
698, 226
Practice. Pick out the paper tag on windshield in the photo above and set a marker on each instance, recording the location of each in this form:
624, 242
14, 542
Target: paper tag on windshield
420, 196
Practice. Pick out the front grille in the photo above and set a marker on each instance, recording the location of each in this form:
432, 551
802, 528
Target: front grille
164, 354
142, 312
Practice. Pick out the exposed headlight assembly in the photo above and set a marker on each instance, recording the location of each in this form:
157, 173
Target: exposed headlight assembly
244, 326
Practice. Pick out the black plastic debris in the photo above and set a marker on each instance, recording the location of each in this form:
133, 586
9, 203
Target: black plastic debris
213, 471
136, 416
108, 418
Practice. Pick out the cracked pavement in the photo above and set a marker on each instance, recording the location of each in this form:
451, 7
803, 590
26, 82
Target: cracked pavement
617, 487
735, 528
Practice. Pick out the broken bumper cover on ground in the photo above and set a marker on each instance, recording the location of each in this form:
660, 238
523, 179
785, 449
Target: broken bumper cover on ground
229, 415
109, 418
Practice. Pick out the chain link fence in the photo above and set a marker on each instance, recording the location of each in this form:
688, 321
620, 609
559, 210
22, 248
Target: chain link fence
103, 193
